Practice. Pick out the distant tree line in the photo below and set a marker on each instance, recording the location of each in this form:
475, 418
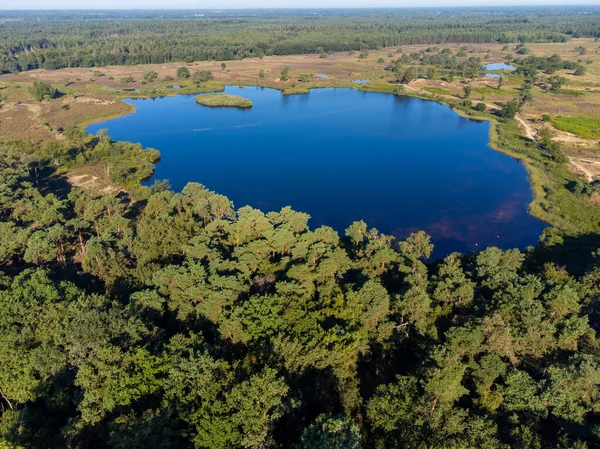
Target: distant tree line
67, 40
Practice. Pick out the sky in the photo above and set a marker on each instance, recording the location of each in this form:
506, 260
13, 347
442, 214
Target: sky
238, 4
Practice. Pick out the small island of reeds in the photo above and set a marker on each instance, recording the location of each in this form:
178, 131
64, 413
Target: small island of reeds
223, 100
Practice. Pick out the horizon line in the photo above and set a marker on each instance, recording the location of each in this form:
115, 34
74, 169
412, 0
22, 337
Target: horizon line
306, 7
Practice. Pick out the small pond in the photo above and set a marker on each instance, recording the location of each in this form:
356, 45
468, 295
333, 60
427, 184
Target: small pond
500, 66
400, 164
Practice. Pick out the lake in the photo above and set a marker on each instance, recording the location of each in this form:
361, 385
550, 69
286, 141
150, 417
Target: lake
400, 164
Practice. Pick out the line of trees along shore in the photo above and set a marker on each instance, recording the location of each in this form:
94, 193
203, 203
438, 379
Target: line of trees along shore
175, 320
69, 39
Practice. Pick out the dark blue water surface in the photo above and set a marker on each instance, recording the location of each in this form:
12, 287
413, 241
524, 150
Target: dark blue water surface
341, 155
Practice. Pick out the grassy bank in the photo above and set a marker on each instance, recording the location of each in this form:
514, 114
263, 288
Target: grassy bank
586, 127
223, 100
553, 201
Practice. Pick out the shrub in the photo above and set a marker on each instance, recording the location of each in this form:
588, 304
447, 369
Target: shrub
398, 91
183, 73
42, 90
510, 109
201, 76
150, 76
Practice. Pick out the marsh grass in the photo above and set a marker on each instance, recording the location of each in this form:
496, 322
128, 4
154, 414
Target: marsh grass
223, 100
586, 127
439, 91
492, 91
571, 92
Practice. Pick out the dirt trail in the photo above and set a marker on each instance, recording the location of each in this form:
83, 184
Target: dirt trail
589, 175
528, 129
530, 135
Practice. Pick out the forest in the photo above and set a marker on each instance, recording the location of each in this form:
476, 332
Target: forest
166, 320
154, 318
54, 40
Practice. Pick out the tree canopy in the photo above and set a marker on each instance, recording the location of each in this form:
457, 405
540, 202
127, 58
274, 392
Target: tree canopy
63, 39
172, 319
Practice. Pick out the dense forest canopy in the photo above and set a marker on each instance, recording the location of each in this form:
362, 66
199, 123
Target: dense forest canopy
175, 320
52, 40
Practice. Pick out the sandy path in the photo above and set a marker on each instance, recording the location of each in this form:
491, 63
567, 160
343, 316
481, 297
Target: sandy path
589, 175
528, 129
530, 135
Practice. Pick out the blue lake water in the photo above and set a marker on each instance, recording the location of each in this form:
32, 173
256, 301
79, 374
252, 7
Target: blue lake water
500, 66
341, 155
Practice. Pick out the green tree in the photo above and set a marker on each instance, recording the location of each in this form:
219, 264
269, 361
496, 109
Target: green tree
331, 432
150, 76
556, 82
201, 76
407, 75
431, 73
41, 90
510, 109
183, 73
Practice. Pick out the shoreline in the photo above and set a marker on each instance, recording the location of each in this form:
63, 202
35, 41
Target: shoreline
503, 138
479, 116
